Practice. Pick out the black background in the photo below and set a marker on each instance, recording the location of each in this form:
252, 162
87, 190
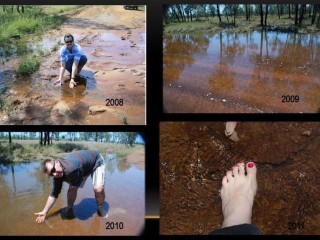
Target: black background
154, 113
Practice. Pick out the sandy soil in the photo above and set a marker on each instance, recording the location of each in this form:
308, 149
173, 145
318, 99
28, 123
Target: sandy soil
194, 157
113, 40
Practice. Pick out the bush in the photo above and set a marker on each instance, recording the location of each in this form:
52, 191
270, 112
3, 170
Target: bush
28, 65
6, 151
69, 147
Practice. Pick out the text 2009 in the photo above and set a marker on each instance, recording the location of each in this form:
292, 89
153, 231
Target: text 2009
290, 98
114, 102
114, 225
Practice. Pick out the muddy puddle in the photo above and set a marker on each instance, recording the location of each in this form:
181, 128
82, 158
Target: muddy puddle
116, 70
248, 72
194, 157
25, 189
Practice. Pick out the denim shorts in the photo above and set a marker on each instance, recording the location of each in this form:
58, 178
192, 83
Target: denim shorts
82, 62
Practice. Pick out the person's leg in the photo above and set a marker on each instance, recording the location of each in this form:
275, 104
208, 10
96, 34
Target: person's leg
98, 178
69, 64
239, 188
71, 197
82, 62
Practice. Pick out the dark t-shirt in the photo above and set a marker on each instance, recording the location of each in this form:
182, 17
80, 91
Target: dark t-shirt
77, 165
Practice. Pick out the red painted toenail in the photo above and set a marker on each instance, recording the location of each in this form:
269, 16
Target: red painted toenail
240, 162
250, 165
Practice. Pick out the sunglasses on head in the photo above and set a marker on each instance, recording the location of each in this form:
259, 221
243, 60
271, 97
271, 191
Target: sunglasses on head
53, 169
69, 41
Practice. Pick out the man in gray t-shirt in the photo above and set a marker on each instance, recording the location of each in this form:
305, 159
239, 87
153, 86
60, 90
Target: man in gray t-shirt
74, 169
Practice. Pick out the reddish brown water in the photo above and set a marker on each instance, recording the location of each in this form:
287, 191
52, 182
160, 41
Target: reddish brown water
194, 157
24, 190
241, 72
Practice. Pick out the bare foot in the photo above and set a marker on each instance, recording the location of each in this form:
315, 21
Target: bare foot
230, 131
230, 127
239, 188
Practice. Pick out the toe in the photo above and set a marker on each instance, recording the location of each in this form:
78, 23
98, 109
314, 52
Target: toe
241, 168
251, 169
224, 180
229, 176
235, 170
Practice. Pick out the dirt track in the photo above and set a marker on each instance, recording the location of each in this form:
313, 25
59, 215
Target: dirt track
113, 40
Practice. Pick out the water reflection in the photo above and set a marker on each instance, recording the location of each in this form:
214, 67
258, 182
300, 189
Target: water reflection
253, 67
24, 189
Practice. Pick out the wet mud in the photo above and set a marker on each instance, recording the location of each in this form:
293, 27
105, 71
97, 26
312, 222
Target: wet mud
113, 40
194, 157
25, 189
228, 72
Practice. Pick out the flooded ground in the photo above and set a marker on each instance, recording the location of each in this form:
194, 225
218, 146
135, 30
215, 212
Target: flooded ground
194, 157
252, 72
25, 189
113, 40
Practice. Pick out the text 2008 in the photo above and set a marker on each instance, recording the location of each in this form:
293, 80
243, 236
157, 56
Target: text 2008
114, 102
114, 225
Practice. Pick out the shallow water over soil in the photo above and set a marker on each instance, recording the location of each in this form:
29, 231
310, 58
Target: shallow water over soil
241, 72
194, 157
25, 189
116, 69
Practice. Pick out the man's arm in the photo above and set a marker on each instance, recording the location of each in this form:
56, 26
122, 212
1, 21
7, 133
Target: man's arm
74, 68
62, 70
73, 74
42, 215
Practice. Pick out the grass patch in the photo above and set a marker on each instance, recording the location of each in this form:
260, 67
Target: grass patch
31, 150
211, 24
35, 20
125, 120
28, 65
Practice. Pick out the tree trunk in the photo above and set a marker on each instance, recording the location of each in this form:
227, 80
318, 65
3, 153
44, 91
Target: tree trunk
265, 19
296, 14
261, 15
218, 13
41, 138
289, 10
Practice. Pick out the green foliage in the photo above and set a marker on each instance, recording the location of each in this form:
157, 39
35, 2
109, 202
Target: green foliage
34, 21
69, 147
6, 151
28, 65
125, 120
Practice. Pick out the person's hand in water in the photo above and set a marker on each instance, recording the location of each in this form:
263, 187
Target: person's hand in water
58, 83
72, 83
41, 217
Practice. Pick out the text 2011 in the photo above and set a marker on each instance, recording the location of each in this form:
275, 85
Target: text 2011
114, 102
295, 225
114, 225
